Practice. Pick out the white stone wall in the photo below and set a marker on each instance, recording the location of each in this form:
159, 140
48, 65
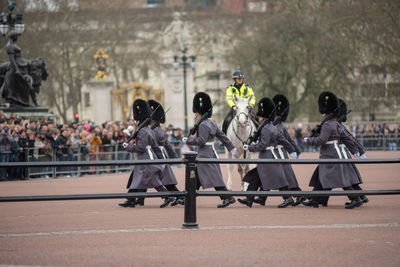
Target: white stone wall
100, 93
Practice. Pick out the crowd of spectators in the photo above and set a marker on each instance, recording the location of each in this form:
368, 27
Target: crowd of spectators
44, 140
27, 139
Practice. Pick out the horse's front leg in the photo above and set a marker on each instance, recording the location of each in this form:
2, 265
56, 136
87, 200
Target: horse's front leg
230, 169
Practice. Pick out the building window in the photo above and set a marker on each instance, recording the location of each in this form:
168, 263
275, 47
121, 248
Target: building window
155, 2
213, 76
87, 99
201, 3
210, 2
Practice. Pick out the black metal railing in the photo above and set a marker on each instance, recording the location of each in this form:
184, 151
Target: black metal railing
115, 152
190, 193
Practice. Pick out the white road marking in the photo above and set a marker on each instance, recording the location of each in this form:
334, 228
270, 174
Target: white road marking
205, 228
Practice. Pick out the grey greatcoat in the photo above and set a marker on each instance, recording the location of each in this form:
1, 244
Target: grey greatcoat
164, 152
145, 176
272, 176
349, 144
209, 174
332, 175
282, 154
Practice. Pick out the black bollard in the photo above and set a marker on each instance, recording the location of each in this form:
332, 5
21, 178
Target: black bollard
190, 187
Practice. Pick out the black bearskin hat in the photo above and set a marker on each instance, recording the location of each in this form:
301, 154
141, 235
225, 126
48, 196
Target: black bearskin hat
282, 106
327, 103
342, 110
141, 110
202, 103
265, 108
159, 115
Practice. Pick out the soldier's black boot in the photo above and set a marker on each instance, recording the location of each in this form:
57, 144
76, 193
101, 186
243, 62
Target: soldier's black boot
298, 201
140, 202
167, 201
286, 202
178, 201
246, 202
260, 200
311, 203
364, 199
226, 202
128, 203
323, 201
356, 202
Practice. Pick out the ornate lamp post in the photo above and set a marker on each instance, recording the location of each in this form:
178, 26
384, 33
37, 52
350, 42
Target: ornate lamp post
10, 21
176, 66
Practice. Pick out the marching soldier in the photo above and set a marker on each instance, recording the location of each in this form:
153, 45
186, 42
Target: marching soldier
282, 111
271, 176
208, 175
144, 176
238, 88
165, 150
348, 144
328, 176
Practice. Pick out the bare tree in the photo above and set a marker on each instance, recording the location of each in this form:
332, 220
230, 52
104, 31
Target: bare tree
372, 28
67, 36
291, 51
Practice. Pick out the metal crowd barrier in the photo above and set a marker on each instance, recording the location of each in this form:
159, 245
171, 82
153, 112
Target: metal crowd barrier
371, 143
114, 152
190, 193
104, 152
379, 142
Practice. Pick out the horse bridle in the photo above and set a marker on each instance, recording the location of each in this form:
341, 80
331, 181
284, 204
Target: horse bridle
246, 123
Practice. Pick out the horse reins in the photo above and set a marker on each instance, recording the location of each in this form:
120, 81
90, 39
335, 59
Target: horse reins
246, 123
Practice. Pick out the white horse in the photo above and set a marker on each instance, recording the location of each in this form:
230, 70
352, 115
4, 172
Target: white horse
239, 130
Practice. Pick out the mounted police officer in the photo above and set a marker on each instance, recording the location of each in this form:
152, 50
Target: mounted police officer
238, 88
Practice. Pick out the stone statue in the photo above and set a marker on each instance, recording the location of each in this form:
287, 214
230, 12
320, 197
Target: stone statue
20, 78
176, 33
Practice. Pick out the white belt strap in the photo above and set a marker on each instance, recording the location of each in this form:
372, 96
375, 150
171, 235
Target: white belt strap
148, 148
335, 143
280, 150
163, 151
343, 147
213, 148
271, 148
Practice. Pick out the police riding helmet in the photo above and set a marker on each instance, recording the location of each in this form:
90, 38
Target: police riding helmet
238, 74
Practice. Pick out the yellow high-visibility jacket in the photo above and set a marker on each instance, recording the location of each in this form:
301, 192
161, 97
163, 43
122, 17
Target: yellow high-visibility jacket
245, 91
